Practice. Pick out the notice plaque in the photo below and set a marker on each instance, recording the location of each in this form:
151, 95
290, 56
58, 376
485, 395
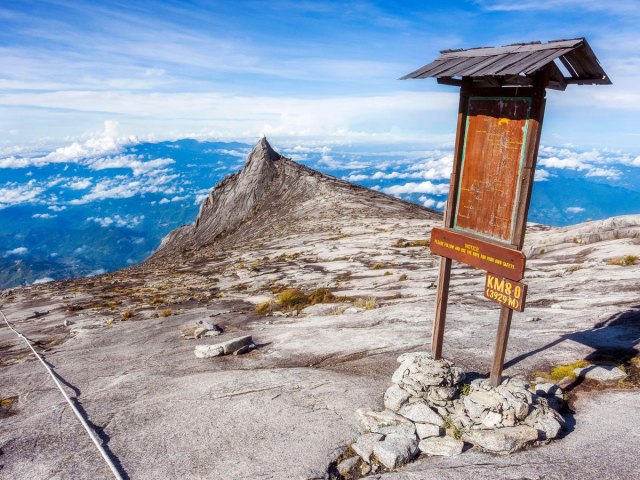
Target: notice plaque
505, 292
503, 261
492, 160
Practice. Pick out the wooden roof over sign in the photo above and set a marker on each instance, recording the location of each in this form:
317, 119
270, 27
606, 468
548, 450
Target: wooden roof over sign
516, 65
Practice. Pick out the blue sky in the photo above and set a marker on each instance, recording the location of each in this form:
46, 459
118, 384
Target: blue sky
307, 71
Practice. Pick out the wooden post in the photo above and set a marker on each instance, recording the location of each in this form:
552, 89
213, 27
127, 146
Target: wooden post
517, 239
442, 296
504, 325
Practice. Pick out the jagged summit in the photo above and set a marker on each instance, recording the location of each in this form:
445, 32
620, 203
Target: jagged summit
275, 196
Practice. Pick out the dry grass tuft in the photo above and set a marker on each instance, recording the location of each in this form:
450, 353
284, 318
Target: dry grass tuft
368, 303
402, 277
166, 312
378, 266
265, 307
625, 261
127, 314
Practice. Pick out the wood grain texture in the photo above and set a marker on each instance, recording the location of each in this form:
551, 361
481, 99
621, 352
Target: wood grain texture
495, 134
491, 257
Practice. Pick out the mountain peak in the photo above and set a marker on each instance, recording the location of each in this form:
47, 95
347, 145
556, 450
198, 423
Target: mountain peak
273, 195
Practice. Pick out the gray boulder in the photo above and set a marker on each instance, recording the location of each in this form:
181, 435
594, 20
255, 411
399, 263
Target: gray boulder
385, 422
395, 450
365, 443
420, 412
224, 348
601, 373
503, 440
426, 430
549, 426
348, 466
395, 397
441, 446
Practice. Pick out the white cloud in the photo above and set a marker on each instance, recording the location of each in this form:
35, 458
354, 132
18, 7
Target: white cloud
421, 187
14, 194
99, 271
122, 186
574, 209
610, 173
356, 178
571, 163
137, 166
542, 175
43, 215
80, 184
103, 143
57, 208
128, 221
19, 251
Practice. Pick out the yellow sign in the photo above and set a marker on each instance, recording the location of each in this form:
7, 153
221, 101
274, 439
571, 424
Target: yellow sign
505, 292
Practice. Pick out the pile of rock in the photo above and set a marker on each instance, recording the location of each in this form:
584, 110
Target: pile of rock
429, 410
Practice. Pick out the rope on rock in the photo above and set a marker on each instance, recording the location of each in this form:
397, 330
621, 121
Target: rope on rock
84, 423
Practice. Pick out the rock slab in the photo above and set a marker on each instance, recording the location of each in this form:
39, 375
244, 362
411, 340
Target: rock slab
224, 348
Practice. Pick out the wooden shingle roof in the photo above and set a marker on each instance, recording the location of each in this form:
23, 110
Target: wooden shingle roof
513, 65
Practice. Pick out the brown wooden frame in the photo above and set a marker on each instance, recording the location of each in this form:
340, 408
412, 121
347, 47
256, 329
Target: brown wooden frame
537, 93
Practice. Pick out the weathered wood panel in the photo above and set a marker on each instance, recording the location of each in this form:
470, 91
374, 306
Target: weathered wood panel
493, 152
494, 258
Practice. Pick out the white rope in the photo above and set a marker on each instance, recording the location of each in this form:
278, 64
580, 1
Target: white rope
84, 423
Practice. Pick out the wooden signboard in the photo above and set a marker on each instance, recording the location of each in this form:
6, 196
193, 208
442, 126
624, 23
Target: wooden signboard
505, 292
502, 102
489, 193
478, 253
492, 158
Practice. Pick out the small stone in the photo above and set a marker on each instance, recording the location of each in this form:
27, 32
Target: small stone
385, 422
224, 348
547, 389
395, 450
601, 373
401, 371
473, 409
347, 466
503, 440
420, 412
457, 375
426, 430
352, 310
197, 329
231, 346
364, 445
441, 446
488, 400
395, 397
492, 420
365, 468
549, 426
208, 351
442, 393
